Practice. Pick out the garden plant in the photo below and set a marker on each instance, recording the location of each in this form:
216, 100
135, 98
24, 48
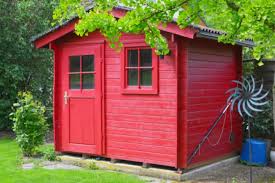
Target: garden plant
30, 124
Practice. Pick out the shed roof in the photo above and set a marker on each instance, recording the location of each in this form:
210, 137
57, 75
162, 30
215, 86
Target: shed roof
198, 30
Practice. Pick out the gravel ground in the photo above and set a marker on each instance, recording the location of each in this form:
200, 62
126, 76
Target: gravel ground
235, 171
50, 166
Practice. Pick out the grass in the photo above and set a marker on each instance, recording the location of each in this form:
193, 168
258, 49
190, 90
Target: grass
11, 172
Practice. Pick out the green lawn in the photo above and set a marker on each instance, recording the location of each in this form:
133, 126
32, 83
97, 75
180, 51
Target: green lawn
11, 172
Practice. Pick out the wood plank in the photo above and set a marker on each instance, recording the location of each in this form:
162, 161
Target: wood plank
142, 132
140, 118
141, 110
160, 97
142, 140
152, 104
146, 126
146, 148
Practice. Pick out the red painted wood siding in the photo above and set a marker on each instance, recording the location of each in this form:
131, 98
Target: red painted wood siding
139, 128
210, 69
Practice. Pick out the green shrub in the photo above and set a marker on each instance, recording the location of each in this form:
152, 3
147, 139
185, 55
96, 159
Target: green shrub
234, 180
93, 166
47, 152
30, 124
262, 122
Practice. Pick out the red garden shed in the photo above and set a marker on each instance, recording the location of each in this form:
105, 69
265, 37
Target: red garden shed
134, 105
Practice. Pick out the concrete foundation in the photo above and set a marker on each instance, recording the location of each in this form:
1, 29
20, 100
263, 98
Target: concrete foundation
140, 171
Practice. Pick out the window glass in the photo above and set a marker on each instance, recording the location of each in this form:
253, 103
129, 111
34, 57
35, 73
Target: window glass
88, 63
146, 57
75, 64
132, 58
132, 77
74, 81
146, 77
88, 81
139, 67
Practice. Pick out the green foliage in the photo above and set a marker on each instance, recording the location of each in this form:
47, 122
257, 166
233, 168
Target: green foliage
29, 123
240, 19
248, 68
234, 180
93, 166
245, 19
262, 123
23, 68
48, 152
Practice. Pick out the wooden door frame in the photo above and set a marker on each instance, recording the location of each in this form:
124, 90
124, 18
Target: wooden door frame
100, 117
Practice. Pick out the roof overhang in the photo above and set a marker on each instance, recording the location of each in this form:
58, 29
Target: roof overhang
208, 33
53, 34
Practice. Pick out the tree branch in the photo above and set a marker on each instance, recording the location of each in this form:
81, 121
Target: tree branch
239, 24
163, 11
232, 5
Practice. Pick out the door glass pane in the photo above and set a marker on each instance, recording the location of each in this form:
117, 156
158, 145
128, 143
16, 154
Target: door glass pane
74, 81
146, 57
75, 64
88, 63
146, 77
88, 81
132, 77
132, 58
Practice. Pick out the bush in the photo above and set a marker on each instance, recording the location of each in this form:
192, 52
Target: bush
47, 152
93, 166
262, 123
30, 124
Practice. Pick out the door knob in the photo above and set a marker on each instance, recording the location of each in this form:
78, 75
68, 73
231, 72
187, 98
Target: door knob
66, 97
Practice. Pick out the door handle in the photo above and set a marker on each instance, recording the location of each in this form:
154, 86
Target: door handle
66, 97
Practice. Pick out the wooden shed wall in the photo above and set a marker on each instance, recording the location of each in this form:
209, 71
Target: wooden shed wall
211, 67
141, 127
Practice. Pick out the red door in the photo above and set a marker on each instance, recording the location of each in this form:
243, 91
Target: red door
82, 99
